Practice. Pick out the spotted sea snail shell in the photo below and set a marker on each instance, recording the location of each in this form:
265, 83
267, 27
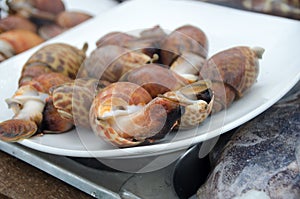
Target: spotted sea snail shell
232, 72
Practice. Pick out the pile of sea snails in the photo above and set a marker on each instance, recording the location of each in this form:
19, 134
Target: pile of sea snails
130, 90
28, 23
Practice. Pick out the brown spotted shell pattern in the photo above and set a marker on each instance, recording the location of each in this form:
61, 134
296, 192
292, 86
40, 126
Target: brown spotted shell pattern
125, 115
73, 100
110, 62
197, 99
50, 66
58, 57
187, 38
137, 101
155, 79
232, 72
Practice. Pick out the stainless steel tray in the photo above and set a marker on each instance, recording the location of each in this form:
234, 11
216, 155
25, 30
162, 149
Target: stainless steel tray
95, 179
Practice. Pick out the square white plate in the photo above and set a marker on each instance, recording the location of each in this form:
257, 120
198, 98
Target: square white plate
225, 28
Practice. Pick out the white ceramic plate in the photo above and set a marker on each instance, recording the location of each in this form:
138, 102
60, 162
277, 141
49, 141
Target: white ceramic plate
225, 27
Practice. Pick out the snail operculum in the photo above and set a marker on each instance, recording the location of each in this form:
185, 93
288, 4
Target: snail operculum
197, 99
